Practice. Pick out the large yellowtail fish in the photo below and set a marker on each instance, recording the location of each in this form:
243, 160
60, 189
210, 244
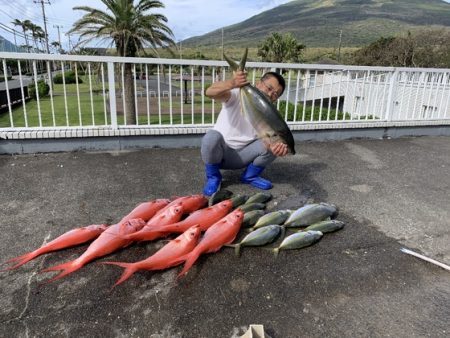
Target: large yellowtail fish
261, 113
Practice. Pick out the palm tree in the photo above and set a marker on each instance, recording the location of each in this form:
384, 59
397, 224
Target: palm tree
281, 48
56, 46
131, 28
24, 25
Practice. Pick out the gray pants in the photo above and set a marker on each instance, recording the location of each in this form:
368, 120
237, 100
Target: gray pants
214, 150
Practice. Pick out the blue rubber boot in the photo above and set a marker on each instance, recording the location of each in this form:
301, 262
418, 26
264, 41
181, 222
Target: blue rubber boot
251, 176
213, 179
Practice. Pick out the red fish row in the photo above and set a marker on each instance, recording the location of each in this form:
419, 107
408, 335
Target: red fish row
77, 236
184, 248
149, 221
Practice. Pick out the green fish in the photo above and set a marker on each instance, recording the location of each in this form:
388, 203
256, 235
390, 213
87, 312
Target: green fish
310, 214
260, 197
298, 240
251, 217
252, 206
261, 112
259, 237
326, 226
274, 217
219, 196
238, 200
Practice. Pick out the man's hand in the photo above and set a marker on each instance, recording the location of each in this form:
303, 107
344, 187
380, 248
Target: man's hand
278, 149
239, 79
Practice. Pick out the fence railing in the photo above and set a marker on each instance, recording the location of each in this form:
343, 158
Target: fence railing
51, 92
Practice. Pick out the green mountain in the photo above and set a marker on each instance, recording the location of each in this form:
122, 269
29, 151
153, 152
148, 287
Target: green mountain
319, 23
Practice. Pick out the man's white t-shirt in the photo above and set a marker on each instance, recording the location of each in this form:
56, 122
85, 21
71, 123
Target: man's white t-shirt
234, 127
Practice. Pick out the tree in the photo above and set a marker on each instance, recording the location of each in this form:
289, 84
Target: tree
425, 48
131, 28
56, 46
25, 26
281, 48
37, 33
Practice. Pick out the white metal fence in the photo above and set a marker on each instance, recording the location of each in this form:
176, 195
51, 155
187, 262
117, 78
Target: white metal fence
169, 94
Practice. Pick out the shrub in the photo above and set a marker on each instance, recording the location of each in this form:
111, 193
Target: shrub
68, 76
331, 114
43, 89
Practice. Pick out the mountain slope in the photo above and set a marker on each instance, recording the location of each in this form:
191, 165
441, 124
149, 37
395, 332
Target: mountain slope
317, 23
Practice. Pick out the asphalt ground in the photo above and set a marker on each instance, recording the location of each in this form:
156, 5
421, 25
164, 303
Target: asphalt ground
353, 283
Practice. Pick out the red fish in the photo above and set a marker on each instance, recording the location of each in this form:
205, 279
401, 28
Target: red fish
191, 203
203, 217
66, 240
180, 246
168, 216
219, 234
109, 241
146, 210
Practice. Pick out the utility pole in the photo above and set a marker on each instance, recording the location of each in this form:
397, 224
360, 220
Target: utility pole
222, 44
45, 21
70, 47
15, 40
339, 48
59, 36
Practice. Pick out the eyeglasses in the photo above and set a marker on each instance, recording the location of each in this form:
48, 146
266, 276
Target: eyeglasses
273, 93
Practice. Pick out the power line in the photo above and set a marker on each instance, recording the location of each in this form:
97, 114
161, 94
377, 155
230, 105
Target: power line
20, 11
11, 30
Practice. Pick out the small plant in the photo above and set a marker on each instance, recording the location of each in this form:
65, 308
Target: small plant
69, 77
324, 115
43, 89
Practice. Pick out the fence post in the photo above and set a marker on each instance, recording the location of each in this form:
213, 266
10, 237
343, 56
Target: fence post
5, 74
391, 95
112, 95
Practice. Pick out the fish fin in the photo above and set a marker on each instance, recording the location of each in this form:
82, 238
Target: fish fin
177, 261
68, 268
191, 258
233, 65
142, 236
130, 269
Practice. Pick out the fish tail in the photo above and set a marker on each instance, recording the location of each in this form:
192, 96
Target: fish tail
190, 259
276, 251
237, 250
67, 268
20, 260
233, 65
283, 232
130, 269
243, 60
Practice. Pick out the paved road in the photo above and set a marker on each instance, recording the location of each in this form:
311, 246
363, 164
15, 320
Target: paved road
356, 282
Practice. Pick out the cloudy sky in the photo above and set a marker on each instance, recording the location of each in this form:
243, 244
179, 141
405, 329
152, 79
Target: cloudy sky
186, 17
